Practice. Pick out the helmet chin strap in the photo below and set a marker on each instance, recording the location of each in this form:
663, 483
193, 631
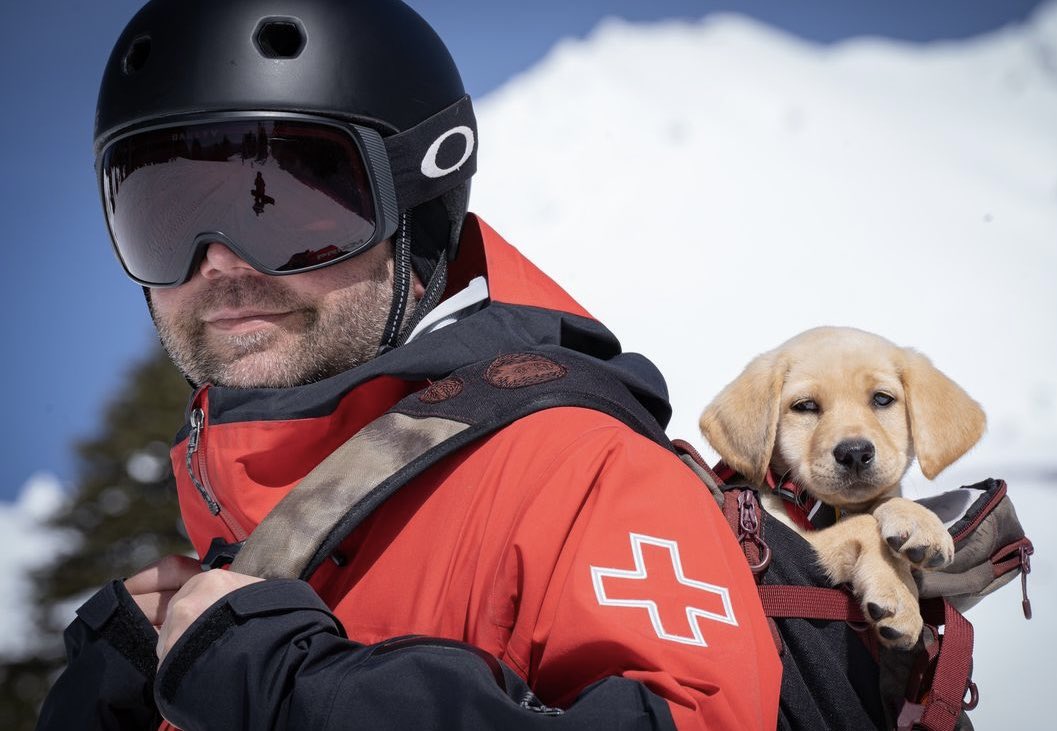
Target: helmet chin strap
438, 282
394, 335
401, 285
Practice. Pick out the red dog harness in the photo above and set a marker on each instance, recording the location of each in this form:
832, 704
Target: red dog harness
807, 511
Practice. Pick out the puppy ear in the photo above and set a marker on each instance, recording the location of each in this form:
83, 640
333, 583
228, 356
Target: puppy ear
944, 421
742, 421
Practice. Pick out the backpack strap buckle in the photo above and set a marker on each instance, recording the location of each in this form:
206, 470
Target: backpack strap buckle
220, 553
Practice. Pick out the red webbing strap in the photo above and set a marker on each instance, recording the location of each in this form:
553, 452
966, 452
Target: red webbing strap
809, 602
723, 471
687, 448
953, 666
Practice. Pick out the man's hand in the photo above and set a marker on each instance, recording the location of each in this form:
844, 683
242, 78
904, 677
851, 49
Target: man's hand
197, 594
154, 586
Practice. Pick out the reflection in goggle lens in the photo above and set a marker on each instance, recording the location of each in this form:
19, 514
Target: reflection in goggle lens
287, 195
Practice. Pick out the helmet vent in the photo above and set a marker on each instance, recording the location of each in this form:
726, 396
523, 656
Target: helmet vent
280, 38
136, 55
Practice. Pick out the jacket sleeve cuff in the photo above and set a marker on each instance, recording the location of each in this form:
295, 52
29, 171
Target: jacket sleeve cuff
278, 654
112, 614
110, 651
236, 635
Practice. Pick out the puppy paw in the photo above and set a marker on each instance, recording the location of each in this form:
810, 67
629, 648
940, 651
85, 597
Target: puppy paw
892, 608
914, 533
854, 553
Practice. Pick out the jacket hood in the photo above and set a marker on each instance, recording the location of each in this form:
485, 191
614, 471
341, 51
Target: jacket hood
527, 310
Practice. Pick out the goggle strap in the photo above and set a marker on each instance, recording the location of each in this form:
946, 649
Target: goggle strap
378, 159
434, 156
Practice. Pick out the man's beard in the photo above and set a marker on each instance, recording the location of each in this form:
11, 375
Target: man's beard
311, 344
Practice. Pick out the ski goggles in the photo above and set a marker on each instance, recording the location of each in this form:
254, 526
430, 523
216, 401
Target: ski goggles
287, 193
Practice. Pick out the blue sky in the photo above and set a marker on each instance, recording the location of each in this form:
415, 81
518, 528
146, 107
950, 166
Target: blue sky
73, 324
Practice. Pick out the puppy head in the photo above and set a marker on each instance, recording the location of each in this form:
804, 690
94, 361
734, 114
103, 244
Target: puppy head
843, 411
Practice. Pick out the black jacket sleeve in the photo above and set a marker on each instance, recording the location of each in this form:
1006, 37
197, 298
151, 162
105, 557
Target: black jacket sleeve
271, 656
108, 682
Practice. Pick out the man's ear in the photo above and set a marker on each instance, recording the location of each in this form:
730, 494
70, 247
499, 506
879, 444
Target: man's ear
742, 421
944, 422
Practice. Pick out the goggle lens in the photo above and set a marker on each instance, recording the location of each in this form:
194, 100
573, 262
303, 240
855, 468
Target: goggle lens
286, 195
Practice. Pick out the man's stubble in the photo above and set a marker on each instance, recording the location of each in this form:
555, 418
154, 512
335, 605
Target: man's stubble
318, 341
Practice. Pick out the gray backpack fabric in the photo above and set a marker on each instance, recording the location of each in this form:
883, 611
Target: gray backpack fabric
990, 547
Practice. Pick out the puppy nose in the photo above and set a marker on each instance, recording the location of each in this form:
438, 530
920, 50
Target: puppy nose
855, 454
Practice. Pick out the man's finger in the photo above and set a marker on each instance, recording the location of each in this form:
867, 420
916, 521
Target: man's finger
195, 597
168, 573
154, 605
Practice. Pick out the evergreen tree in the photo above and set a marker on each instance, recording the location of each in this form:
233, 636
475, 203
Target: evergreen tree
122, 514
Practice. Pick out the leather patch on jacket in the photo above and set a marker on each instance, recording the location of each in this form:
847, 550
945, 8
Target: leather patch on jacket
442, 390
517, 370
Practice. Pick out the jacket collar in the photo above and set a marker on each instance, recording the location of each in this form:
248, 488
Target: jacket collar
526, 310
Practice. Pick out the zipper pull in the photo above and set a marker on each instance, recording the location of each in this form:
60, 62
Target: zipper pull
749, 531
1025, 569
198, 419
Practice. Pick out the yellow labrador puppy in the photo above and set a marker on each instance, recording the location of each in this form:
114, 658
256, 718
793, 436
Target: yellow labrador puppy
840, 414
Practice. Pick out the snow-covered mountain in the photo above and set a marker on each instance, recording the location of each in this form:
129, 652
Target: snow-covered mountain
709, 189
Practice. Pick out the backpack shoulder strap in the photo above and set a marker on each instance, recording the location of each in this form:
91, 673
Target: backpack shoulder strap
326, 506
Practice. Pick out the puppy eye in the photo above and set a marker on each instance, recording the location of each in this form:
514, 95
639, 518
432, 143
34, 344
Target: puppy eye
805, 405
882, 399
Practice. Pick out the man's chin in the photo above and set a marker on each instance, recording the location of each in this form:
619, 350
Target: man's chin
267, 368
274, 356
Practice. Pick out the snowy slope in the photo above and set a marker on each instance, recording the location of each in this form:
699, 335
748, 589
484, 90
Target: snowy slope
709, 189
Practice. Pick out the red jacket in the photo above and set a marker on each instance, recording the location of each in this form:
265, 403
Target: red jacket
566, 545
564, 565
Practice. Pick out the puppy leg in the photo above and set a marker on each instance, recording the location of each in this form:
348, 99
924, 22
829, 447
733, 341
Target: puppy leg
853, 552
915, 533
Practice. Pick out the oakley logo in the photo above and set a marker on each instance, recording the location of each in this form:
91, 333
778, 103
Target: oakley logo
429, 163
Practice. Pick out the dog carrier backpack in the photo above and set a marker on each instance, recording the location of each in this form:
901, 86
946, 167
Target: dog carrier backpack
311, 522
835, 675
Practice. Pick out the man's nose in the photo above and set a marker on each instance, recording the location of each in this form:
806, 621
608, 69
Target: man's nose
220, 261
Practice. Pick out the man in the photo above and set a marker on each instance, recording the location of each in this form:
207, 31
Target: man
565, 569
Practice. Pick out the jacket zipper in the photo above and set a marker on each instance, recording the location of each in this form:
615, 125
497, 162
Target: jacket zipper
196, 469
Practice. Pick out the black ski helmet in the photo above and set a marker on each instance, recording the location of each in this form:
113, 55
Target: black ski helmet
373, 62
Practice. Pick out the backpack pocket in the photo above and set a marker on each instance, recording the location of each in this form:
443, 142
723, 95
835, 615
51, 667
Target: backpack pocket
990, 548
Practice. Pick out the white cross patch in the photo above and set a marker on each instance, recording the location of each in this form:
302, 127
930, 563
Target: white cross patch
640, 573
